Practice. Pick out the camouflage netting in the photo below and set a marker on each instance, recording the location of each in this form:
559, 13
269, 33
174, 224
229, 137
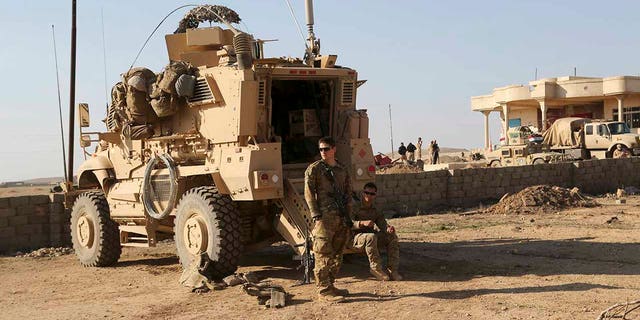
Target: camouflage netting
541, 199
203, 13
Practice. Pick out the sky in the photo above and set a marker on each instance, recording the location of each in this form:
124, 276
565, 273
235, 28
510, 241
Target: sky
424, 58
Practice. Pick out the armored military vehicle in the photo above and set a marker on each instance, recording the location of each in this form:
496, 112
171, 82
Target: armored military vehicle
524, 148
212, 151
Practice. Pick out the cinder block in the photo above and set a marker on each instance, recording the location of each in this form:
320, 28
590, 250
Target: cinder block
41, 210
19, 201
29, 229
18, 220
38, 219
7, 212
39, 239
39, 199
56, 208
25, 210
4, 203
4, 222
7, 232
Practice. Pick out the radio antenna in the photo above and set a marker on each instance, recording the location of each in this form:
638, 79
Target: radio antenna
55, 55
104, 60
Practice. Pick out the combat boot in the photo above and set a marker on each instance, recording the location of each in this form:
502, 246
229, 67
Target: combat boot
339, 292
395, 275
379, 274
330, 297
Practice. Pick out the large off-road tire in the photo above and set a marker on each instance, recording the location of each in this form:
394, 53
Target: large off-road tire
207, 221
495, 164
95, 237
538, 161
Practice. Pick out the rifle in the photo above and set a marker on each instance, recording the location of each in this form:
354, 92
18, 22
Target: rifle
308, 261
339, 198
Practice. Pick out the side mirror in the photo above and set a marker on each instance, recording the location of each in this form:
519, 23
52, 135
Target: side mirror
83, 115
85, 140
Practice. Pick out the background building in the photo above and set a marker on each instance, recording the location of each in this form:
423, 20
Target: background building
543, 101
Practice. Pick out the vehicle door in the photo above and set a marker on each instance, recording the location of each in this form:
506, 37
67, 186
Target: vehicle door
603, 138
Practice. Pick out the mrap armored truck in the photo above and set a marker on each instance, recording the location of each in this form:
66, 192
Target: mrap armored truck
212, 151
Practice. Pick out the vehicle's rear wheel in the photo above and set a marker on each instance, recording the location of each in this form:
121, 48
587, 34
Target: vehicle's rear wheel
95, 237
207, 221
538, 161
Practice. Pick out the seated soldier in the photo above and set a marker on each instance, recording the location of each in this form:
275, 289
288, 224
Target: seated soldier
366, 239
621, 152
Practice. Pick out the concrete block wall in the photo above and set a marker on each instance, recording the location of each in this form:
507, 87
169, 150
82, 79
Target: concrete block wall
408, 192
30, 222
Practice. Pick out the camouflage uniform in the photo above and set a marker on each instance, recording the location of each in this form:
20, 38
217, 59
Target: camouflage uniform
331, 234
369, 241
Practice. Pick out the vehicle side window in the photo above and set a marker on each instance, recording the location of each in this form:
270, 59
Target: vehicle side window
588, 130
602, 129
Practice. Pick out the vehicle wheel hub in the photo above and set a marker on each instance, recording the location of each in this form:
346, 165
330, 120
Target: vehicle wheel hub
195, 235
85, 231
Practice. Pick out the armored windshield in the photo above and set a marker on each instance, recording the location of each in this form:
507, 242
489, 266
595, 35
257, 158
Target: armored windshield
618, 128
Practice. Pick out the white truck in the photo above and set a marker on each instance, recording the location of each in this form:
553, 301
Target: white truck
599, 137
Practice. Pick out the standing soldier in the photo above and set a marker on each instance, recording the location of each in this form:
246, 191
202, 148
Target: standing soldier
419, 148
327, 190
411, 149
366, 239
402, 151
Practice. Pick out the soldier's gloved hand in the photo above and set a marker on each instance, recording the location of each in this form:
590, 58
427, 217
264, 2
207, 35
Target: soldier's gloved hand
391, 229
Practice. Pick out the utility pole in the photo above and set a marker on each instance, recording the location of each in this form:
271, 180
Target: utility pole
391, 129
72, 95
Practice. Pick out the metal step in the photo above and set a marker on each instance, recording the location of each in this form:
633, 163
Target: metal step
136, 236
294, 222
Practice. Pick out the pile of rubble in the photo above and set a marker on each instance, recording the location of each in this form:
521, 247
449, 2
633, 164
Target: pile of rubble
541, 199
399, 168
46, 252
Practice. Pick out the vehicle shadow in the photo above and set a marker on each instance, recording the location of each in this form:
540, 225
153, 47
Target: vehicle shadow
465, 294
464, 260
161, 261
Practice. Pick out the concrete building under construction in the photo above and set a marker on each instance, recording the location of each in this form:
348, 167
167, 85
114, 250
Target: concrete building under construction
543, 101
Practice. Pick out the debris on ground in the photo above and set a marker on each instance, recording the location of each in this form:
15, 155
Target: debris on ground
620, 310
46, 252
613, 219
269, 295
399, 168
541, 199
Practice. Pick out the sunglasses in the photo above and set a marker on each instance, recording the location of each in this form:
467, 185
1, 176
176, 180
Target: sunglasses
369, 193
324, 149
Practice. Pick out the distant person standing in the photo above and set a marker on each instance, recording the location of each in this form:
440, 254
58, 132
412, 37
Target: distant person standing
435, 152
411, 149
430, 152
419, 150
402, 151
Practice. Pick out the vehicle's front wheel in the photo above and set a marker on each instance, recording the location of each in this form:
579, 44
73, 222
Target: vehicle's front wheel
207, 221
495, 164
538, 161
95, 237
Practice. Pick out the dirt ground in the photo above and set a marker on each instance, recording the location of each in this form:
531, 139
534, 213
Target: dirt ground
562, 265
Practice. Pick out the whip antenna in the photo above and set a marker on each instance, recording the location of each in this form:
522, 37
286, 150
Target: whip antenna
55, 54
